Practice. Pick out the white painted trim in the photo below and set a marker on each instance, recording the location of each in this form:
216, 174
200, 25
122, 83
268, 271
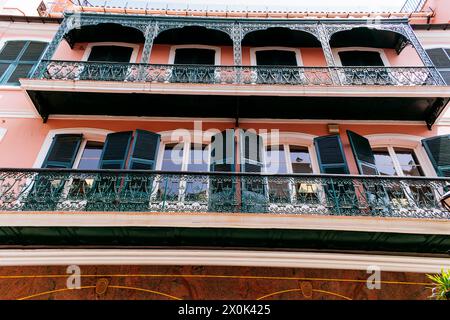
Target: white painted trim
298, 55
436, 46
217, 55
133, 57
404, 141
2, 133
185, 137
288, 139
248, 258
234, 90
88, 134
337, 58
226, 220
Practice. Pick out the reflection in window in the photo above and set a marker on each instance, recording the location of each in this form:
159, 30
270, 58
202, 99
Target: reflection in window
90, 160
276, 160
383, 162
408, 162
196, 189
289, 159
90, 157
300, 160
172, 157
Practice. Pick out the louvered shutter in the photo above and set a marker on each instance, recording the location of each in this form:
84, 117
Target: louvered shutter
33, 51
11, 50
222, 151
63, 151
439, 57
438, 150
115, 150
144, 151
331, 155
363, 154
222, 188
254, 188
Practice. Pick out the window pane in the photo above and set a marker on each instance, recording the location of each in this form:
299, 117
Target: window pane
275, 160
408, 162
360, 58
383, 162
198, 158
90, 158
172, 157
300, 159
194, 56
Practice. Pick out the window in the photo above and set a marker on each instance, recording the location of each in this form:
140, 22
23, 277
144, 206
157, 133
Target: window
441, 59
194, 56
276, 58
396, 161
288, 159
203, 73
360, 58
90, 157
184, 157
17, 60
110, 54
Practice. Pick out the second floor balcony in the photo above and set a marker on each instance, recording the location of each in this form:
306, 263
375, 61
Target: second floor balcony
61, 190
242, 75
95, 60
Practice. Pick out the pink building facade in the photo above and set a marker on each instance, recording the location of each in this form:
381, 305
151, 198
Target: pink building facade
222, 139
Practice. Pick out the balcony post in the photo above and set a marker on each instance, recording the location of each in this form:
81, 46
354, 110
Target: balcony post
236, 37
411, 36
324, 38
151, 31
51, 48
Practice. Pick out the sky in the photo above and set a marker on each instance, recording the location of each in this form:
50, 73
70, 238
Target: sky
29, 6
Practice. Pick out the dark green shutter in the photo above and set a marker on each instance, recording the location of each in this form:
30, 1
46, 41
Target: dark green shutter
222, 151
363, 154
250, 151
115, 151
144, 151
438, 150
222, 188
63, 150
330, 155
254, 196
11, 50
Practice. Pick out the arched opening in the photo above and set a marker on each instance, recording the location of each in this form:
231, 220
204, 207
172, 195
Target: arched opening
368, 37
193, 35
104, 32
282, 37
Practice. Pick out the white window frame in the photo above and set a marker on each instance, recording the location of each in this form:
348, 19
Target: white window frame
298, 54
287, 139
414, 143
185, 137
89, 134
338, 61
2, 133
217, 50
134, 54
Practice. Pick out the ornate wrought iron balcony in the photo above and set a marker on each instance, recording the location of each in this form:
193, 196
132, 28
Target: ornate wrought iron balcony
144, 191
212, 74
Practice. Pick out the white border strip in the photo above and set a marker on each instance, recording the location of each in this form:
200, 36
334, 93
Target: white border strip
245, 258
223, 220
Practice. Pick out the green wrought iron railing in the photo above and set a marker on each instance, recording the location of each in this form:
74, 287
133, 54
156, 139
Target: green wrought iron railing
146, 191
212, 74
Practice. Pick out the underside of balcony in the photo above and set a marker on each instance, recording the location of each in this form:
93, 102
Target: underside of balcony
262, 102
